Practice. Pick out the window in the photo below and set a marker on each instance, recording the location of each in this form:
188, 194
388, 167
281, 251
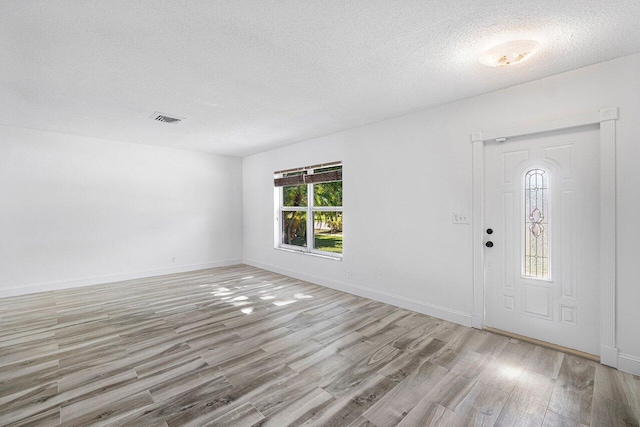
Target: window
536, 224
309, 217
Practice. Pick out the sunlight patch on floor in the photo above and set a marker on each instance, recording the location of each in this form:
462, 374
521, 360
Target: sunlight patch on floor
281, 303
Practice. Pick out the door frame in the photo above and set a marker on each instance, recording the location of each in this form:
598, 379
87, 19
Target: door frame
606, 118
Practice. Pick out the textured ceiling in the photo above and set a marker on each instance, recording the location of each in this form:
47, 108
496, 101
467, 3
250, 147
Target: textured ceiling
252, 75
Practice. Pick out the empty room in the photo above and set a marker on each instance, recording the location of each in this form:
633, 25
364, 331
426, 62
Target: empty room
319, 213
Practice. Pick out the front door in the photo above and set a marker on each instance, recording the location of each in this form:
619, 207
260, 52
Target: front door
542, 201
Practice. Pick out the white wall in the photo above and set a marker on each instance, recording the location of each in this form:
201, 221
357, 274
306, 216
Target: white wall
399, 241
76, 210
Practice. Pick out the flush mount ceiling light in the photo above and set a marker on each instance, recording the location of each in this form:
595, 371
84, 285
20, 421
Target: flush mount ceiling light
510, 53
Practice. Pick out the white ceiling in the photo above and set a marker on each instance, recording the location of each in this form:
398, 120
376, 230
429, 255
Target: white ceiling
253, 75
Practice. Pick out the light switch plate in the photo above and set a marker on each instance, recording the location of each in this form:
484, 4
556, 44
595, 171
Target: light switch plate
460, 218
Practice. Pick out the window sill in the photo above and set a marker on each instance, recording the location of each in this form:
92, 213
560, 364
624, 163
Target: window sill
315, 254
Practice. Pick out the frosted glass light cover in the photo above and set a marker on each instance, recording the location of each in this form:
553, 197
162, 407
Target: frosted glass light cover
510, 53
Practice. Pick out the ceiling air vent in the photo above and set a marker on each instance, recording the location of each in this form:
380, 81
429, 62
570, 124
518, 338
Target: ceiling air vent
160, 117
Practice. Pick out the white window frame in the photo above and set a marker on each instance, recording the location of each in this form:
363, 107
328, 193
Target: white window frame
310, 209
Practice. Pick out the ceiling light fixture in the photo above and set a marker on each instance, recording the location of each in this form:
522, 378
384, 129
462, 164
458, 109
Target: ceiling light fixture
510, 53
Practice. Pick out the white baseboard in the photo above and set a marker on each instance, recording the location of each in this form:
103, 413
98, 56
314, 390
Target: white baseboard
476, 321
629, 363
385, 297
87, 281
609, 356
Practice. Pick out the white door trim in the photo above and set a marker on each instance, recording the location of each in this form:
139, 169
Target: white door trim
606, 119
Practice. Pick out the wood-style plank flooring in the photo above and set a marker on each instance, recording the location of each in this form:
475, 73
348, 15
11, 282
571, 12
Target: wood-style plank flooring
240, 346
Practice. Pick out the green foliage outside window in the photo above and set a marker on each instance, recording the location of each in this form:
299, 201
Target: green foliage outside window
327, 225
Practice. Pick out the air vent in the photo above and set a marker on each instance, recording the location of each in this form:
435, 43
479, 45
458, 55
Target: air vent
160, 117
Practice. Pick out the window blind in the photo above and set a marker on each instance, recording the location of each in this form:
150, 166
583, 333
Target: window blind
314, 178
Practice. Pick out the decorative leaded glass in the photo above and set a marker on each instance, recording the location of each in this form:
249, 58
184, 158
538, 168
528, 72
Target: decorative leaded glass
536, 214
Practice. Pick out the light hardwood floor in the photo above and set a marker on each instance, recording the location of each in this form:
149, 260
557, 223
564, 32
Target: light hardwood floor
240, 346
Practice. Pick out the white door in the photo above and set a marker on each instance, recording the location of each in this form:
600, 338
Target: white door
542, 201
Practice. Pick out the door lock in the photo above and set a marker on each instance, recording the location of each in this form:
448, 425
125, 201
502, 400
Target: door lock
489, 244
